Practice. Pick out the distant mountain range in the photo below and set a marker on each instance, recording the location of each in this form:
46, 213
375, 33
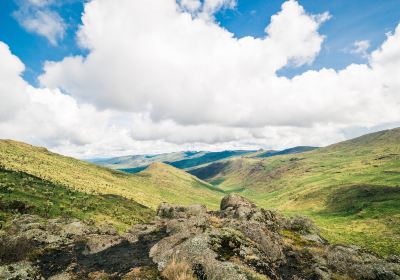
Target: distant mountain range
187, 160
294, 150
181, 160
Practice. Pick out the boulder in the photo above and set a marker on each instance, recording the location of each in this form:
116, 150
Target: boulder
166, 210
238, 242
235, 201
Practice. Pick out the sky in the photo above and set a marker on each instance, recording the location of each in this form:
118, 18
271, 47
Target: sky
105, 78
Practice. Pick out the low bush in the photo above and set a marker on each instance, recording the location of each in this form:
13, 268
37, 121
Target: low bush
301, 224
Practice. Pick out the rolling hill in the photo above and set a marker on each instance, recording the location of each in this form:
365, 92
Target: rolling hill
187, 160
154, 185
181, 160
351, 189
21, 193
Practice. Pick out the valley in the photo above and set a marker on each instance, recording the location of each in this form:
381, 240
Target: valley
350, 190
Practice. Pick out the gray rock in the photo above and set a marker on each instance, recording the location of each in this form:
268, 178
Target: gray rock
240, 241
235, 201
21, 270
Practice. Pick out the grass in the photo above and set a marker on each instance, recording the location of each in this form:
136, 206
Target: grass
21, 193
351, 189
156, 184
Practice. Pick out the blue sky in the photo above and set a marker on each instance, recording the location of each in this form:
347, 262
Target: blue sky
33, 49
351, 21
156, 79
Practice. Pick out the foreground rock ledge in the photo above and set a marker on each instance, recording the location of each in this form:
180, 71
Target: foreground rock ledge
240, 241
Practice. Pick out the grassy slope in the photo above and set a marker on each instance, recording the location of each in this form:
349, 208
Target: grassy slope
23, 193
351, 189
148, 187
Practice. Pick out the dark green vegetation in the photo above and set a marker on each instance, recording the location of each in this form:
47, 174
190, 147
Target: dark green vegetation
351, 189
207, 158
21, 193
133, 170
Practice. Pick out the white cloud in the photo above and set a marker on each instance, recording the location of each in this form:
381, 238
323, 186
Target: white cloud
38, 3
211, 6
361, 48
11, 84
159, 79
207, 8
190, 5
37, 17
43, 116
173, 66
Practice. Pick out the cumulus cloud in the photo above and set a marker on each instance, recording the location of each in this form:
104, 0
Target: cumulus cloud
160, 76
43, 116
361, 48
190, 5
11, 84
37, 17
173, 66
207, 8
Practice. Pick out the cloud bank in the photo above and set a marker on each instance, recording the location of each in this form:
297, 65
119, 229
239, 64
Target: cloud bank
164, 74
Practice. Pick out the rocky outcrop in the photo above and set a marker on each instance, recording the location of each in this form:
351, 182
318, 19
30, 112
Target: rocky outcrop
240, 241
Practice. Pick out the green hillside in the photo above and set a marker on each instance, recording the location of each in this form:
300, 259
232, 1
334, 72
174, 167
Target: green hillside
21, 193
181, 160
151, 187
351, 189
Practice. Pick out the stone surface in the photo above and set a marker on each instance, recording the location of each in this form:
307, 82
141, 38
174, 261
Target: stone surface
238, 242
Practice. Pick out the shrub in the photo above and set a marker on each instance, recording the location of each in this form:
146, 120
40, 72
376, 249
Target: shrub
301, 224
178, 271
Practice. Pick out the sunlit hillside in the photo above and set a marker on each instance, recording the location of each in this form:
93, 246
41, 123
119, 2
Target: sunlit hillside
157, 184
352, 189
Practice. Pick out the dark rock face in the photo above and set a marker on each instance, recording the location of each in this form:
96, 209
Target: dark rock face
240, 241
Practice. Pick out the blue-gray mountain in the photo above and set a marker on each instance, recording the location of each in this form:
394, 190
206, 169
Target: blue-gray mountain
186, 160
